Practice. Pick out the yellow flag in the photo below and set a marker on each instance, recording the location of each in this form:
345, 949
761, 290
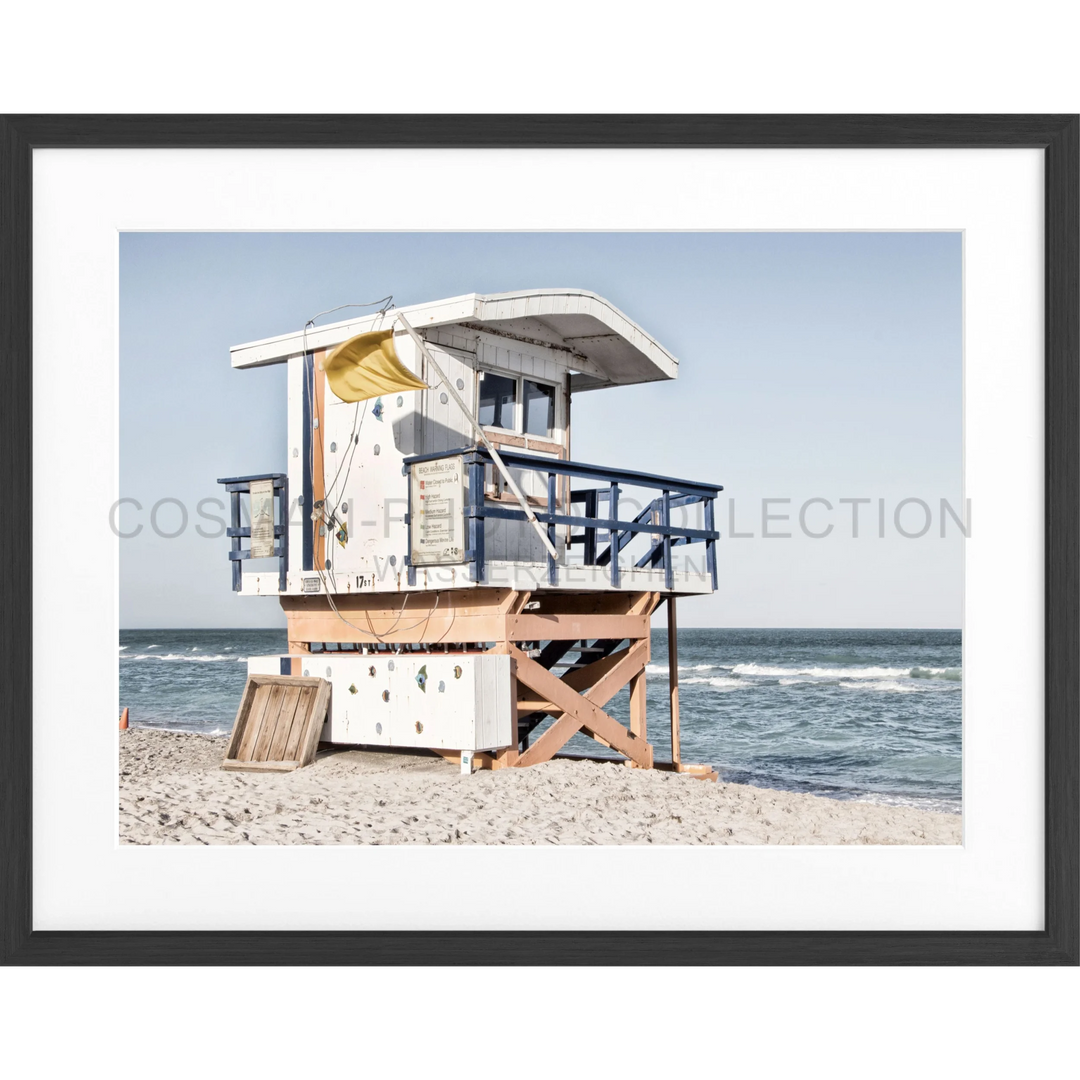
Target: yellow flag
366, 366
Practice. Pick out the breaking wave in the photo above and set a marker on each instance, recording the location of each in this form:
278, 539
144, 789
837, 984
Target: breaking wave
719, 683
949, 674
881, 686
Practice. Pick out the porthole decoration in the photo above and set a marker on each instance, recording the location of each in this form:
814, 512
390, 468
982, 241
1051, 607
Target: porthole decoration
419, 728
386, 695
352, 688
442, 687
371, 671
378, 729
457, 671
378, 450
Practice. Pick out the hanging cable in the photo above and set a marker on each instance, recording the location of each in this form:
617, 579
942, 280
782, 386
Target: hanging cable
319, 515
384, 305
391, 629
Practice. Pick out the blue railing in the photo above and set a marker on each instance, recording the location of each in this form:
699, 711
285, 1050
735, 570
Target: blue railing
239, 485
654, 519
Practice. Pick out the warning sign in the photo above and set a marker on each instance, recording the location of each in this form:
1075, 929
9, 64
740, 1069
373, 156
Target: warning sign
262, 519
437, 511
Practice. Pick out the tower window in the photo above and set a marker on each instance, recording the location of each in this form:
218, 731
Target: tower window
498, 401
539, 408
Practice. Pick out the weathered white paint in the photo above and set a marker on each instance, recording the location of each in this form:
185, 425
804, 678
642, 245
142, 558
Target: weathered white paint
464, 703
444, 426
445, 701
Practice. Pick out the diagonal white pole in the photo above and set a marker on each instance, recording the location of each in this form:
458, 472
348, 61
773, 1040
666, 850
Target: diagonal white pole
499, 463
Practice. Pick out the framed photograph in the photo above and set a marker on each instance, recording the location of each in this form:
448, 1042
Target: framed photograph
501, 535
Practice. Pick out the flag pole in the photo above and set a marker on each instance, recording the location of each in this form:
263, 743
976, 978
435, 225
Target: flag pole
498, 461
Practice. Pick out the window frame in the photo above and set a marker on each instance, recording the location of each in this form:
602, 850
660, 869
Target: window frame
519, 378
519, 404
549, 435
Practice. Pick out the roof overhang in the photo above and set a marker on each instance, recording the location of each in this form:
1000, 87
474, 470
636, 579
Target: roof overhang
609, 348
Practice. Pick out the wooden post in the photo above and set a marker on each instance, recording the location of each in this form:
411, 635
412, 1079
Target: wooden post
637, 705
508, 755
297, 664
582, 712
673, 679
638, 725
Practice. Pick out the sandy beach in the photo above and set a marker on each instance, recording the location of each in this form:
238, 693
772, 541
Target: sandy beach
173, 791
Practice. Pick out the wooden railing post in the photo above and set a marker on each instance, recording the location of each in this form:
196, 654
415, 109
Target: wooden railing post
710, 545
282, 492
590, 531
236, 569
476, 518
613, 515
410, 569
553, 568
665, 520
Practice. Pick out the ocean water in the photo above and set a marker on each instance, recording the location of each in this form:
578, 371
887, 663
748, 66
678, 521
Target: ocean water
873, 715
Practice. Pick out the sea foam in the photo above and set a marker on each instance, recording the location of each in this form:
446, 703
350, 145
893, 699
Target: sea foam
949, 674
881, 686
177, 657
719, 683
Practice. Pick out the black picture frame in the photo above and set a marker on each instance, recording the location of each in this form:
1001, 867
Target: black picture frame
1055, 135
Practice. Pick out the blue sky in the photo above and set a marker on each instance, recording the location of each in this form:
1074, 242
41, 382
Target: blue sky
812, 365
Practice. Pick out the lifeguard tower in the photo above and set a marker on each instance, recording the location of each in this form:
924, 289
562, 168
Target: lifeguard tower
443, 561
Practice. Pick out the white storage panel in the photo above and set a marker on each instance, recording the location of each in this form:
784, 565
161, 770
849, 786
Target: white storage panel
444, 701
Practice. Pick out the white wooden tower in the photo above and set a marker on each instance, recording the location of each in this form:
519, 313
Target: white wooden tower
446, 609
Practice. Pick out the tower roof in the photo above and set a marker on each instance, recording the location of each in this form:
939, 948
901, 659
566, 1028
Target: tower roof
610, 349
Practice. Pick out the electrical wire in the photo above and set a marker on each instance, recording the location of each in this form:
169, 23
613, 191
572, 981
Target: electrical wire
384, 305
391, 629
319, 514
323, 519
353, 439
